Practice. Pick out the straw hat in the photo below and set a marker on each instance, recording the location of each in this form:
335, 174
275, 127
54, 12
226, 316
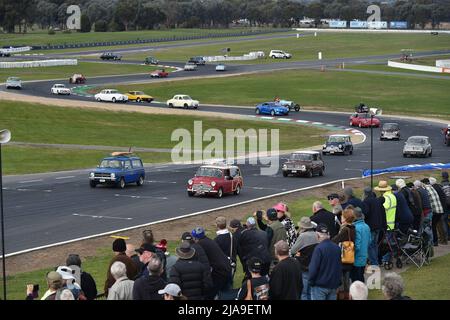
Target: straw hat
383, 186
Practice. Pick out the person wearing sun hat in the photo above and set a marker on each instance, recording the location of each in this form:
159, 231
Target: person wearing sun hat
285, 218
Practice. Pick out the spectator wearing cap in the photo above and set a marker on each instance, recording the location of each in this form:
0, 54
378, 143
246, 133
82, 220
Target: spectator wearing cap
147, 287
200, 254
362, 241
335, 203
446, 187
346, 233
257, 284
170, 259
375, 218
350, 199
303, 249
146, 252
119, 247
226, 242
172, 291
441, 226
323, 216
253, 243
436, 208
275, 232
403, 218
55, 283
393, 287
87, 282
122, 289
286, 276
358, 291
193, 277
69, 282
325, 269
418, 207
220, 265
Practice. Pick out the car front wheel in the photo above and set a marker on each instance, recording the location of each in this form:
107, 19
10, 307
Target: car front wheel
140, 182
92, 184
190, 193
220, 193
272, 113
238, 190
257, 111
114, 100
122, 183
170, 105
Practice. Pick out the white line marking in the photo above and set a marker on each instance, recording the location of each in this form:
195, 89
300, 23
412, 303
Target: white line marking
68, 177
153, 181
348, 169
30, 181
100, 217
140, 197
302, 121
160, 167
261, 188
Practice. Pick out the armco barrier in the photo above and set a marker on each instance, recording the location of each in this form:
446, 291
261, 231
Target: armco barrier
409, 168
39, 63
416, 67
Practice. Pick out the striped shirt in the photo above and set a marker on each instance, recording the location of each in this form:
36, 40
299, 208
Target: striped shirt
435, 202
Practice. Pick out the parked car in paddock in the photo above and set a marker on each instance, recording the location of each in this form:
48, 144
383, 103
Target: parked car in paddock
120, 169
338, 144
190, 66
182, 101
110, 95
288, 104
390, 131
111, 56
363, 120
138, 96
216, 180
272, 108
59, 88
159, 74
151, 60
13, 83
77, 78
221, 67
197, 60
418, 146
279, 54
446, 133
304, 163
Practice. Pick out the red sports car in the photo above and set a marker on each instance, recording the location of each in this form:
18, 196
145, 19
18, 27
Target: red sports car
159, 74
363, 120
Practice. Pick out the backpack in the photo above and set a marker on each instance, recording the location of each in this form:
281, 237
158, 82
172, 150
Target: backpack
348, 251
260, 292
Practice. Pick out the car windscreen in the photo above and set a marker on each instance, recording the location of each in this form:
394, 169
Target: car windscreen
139, 93
113, 91
209, 172
13, 79
186, 98
300, 157
390, 126
416, 141
116, 164
336, 139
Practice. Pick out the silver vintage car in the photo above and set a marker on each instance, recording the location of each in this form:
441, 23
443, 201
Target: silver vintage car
13, 82
419, 146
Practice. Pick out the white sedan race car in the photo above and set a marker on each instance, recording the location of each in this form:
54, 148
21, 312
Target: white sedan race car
111, 95
60, 89
182, 101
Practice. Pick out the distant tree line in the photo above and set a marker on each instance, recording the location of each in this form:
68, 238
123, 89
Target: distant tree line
120, 15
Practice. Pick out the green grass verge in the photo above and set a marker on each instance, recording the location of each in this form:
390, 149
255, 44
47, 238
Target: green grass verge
25, 159
88, 69
44, 124
59, 38
332, 90
332, 45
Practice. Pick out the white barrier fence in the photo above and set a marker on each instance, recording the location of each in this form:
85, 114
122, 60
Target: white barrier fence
249, 56
443, 63
14, 50
39, 63
417, 67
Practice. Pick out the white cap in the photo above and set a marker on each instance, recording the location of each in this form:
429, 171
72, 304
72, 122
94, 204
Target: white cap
172, 289
66, 272
432, 180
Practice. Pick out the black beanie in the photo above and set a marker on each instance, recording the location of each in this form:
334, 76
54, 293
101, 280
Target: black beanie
119, 245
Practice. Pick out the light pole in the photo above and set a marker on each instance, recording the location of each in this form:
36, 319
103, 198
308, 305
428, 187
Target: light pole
5, 136
371, 151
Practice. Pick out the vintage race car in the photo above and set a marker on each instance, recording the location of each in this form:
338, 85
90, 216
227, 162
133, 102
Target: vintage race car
390, 131
182, 101
216, 180
289, 104
13, 82
77, 78
338, 143
419, 146
111, 95
118, 170
446, 133
272, 108
363, 120
306, 163
138, 96
190, 66
221, 67
60, 89
159, 74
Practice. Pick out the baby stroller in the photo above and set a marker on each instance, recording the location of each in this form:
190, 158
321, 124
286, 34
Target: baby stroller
391, 242
418, 248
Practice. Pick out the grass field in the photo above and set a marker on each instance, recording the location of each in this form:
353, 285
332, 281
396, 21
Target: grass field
385, 68
88, 69
332, 90
332, 45
44, 124
43, 38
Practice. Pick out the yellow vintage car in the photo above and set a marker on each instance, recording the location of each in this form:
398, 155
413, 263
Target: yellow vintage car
138, 96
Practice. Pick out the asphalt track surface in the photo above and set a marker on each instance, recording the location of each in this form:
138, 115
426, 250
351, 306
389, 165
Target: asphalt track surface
42, 209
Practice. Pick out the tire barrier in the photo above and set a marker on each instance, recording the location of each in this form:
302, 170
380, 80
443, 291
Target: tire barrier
409, 168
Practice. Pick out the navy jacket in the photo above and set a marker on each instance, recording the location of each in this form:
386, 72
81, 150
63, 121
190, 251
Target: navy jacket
356, 202
325, 269
425, 198
403, 214
374, 212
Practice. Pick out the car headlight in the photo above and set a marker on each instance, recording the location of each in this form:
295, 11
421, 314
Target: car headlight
303, 167
190, 182
91, 174
324, 146
113, 175
340, 146
213, 184
284, 166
